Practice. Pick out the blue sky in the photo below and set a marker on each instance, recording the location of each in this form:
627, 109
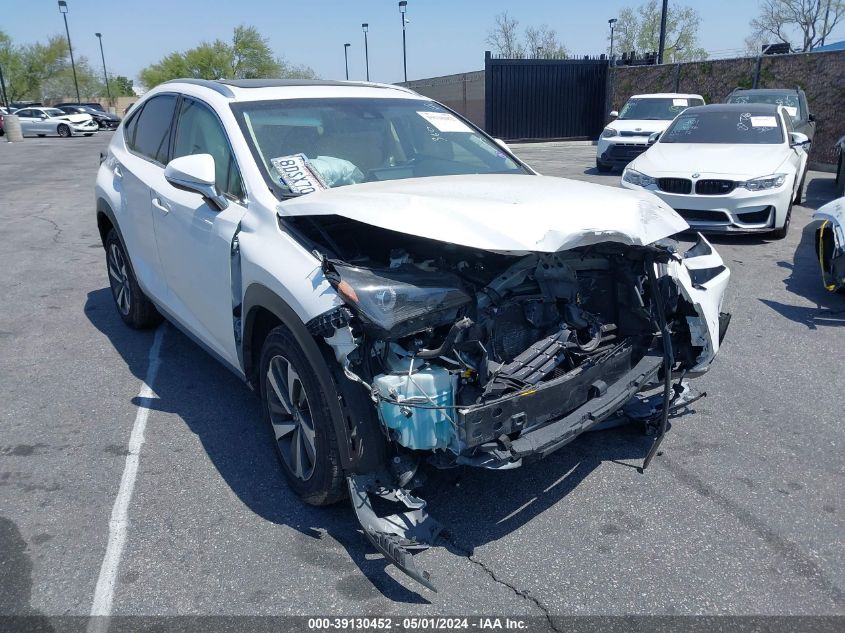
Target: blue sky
443, 36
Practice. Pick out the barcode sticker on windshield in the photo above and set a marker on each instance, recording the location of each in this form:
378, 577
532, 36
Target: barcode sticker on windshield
297, 174
445, 122
763, 121
791, 110
680, 102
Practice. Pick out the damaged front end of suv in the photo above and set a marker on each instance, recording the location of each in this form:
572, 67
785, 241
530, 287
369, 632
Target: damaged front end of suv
496, 357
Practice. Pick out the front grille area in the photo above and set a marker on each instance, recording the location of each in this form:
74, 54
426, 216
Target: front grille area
755, 217
714, 187
702, 216
674, 185
633, 133
624, 151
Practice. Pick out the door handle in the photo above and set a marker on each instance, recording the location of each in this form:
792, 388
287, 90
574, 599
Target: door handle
161, 205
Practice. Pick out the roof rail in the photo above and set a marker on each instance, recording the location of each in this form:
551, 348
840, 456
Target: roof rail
205, 83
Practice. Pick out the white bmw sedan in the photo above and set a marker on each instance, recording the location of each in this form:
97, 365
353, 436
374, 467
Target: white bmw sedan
52, 121
727, 168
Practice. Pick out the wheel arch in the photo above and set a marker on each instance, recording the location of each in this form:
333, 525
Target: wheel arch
361, 443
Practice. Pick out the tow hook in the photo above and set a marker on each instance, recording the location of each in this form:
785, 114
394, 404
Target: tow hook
397, 535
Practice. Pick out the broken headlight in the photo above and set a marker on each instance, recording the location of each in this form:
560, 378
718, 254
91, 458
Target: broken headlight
398, 301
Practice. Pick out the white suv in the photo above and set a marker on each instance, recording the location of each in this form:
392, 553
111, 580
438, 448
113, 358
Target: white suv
398, 287
642, 116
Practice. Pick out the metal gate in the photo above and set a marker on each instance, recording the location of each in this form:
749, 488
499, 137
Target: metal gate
545, 98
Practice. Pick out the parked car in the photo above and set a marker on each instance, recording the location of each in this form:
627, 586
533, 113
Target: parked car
830, 244
794, 100
49, 121
94, 105
397, 286
626, 137
727, 168
105, 120
3, 113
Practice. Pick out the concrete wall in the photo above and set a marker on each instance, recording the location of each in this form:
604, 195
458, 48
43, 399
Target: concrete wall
464, 93
821, 75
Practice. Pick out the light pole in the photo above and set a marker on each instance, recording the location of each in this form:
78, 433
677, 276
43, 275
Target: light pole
105, 74
403, 6
611, 22
662, 43
346, 58
63, 11
366, 27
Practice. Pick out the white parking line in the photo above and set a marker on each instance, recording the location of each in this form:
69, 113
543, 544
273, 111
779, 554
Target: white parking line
104, 593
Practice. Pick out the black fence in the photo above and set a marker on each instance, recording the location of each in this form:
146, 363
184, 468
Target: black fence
545, 98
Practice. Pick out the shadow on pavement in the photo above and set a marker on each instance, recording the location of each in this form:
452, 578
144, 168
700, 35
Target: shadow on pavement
475, 506
805, 281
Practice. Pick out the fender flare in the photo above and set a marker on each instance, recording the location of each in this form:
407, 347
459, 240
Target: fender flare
360, 440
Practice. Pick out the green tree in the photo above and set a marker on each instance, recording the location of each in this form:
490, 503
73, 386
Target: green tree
120, 86
639, 30
248, 56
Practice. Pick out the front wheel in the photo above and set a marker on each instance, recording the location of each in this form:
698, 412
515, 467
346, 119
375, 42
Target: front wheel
63, 130
136, 310
297, 412
603, 167
780, 233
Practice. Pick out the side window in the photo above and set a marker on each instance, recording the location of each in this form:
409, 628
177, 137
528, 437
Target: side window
129, 127
152, 132
24, 113
199, 132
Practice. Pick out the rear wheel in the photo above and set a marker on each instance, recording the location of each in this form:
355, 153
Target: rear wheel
297, 412
63, 130
136, 310
603, 167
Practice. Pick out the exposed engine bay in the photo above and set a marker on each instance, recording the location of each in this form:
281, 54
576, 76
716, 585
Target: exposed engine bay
487, 359
441, 332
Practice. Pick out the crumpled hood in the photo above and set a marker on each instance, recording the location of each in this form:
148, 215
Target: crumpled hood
685, 159
502, 213
75, 118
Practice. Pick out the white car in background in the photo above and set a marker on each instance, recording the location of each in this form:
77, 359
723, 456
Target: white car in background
627, 136
41, 121
727, 168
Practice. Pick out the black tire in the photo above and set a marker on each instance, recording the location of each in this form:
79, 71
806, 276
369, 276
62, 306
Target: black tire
603, 167
133, 306
316, 476
781, 233
63, 130
799, 194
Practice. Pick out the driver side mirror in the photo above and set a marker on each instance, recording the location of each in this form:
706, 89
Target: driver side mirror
614, 114
652, 138
196, 173
503, 145
796, 139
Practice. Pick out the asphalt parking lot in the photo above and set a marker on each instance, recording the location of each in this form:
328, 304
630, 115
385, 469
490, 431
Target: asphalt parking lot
743, 513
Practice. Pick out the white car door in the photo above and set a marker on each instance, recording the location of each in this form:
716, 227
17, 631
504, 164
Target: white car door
139, 166
27, 120
195, 237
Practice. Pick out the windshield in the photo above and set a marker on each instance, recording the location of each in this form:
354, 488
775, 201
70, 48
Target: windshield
735, 127
54, 112
656, 109
788, 100
310, 144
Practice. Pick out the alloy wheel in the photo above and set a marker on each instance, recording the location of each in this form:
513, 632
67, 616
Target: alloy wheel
119, 279
290, 415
